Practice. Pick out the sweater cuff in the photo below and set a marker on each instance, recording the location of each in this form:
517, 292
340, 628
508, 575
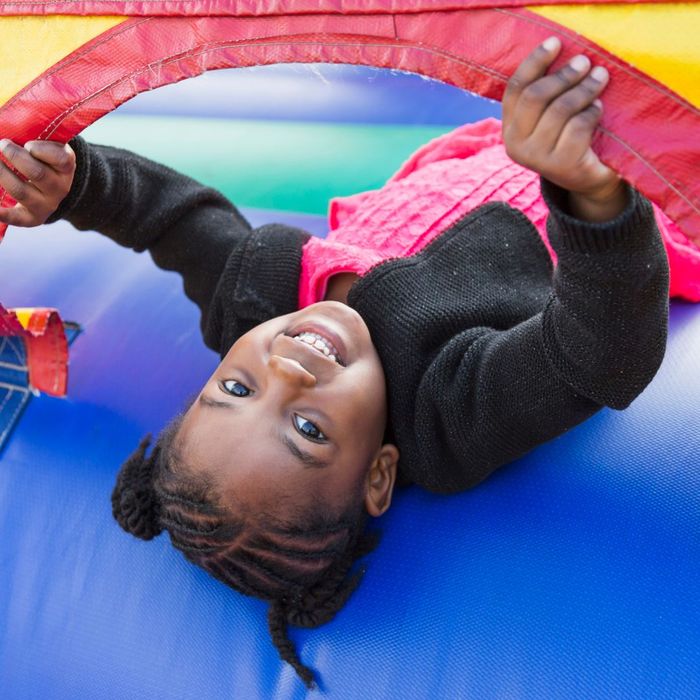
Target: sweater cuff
81, 149
580, 236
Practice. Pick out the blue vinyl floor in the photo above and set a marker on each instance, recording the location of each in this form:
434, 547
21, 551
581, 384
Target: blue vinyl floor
572, 573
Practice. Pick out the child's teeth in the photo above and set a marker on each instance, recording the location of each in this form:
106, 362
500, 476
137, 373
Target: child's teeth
317, 342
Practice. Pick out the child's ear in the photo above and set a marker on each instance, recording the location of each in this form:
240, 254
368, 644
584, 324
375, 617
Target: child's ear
381, 478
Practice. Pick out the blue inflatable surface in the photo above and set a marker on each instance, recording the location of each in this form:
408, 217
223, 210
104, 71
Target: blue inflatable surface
569, 574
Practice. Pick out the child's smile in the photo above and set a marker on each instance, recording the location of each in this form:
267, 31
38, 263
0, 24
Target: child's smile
320, 343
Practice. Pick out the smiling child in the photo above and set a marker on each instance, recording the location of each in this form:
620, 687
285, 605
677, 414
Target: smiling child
425, 341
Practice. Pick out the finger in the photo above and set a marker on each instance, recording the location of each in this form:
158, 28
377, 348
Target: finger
17, 188
536, 97
577, 134
534, 66
23, 162
58, 156
568, 104
16, 216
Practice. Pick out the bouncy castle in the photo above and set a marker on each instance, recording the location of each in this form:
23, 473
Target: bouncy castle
570, 573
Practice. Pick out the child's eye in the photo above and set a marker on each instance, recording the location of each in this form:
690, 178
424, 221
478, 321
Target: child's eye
231, 386
307, 429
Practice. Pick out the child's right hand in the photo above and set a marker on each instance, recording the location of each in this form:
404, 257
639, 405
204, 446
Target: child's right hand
49, 168
548, 125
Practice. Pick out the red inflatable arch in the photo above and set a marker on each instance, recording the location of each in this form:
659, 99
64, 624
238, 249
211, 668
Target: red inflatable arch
649, 133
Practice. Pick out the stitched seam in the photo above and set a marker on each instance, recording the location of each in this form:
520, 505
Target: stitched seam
6, 399
522, 14
671, 185
40, 3
477, 66
16, 348
106, 37
50, 128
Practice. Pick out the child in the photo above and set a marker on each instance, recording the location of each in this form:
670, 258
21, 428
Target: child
458, 351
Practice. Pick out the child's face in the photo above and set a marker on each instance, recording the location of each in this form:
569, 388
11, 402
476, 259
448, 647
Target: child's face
280, 421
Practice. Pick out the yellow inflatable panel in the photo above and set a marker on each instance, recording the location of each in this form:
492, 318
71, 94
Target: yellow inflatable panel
31, 45
661, 40
23, 316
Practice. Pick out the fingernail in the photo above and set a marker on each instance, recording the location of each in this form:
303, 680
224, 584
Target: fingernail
598, 104
579, 63
551, 44
600, 74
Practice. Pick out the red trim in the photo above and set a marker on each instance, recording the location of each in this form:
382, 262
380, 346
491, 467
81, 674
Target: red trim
47, 353
261, 8
46, 345
9, 325
648, 133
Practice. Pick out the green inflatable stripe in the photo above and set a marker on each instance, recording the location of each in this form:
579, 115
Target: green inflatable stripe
283, 165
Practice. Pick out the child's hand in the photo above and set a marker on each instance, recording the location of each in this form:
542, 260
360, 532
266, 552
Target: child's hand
48, 167
548, 124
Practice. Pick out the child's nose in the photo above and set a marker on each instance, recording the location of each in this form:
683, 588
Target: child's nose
291, 371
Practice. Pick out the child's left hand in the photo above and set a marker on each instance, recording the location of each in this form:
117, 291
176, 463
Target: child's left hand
43, 178
548, 125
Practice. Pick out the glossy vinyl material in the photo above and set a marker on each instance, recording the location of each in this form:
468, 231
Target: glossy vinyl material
248, 8
332, 94
648, 132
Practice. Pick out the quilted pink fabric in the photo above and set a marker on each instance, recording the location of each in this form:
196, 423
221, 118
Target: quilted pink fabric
440, 183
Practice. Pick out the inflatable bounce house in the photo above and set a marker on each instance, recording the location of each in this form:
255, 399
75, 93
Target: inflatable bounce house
571, 573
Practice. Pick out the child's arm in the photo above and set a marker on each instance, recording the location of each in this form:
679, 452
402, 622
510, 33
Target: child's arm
139, 204
187, 227
601, 337
598, 341
490, 368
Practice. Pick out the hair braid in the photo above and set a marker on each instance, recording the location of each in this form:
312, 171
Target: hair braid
134, 503
320, 603
277, 623
316, 605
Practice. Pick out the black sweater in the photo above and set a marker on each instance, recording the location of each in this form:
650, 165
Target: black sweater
487, 351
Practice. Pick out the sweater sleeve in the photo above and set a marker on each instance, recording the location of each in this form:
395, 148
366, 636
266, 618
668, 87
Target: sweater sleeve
492, 395
186, 227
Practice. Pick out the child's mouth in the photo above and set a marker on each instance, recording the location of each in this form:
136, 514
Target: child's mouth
319, 343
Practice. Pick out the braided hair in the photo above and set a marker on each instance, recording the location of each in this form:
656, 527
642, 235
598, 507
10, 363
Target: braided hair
302, 567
